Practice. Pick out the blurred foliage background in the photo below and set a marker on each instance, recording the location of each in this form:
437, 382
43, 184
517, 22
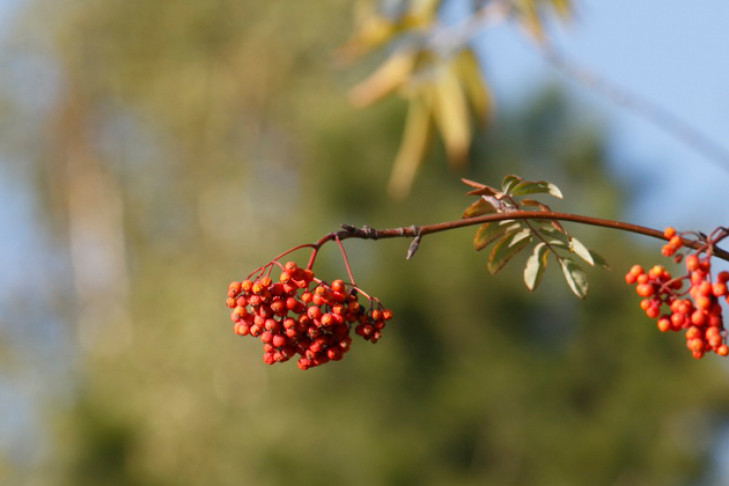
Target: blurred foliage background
167, 148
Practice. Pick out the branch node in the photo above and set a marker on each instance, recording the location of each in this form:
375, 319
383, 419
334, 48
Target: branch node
369, 233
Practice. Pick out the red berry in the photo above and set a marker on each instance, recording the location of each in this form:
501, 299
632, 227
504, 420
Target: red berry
692, 263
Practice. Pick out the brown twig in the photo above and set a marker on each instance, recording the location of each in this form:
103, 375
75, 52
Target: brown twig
367, 232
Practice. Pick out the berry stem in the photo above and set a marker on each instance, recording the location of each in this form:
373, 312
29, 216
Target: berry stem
345, 259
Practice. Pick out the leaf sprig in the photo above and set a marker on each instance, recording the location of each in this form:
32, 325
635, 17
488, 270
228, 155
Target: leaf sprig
508, 238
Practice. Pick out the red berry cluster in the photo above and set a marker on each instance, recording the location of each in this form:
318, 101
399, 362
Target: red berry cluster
303, 315
696, 310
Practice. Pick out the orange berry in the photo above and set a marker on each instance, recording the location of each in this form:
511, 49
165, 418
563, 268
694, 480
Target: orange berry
290, 266
698, 318
234, 289
723, 276
714, 341
664, 324
669, 232
645, 304
675, 241
695, 345
656, 271
692, 263
704, 288
713, 331
313, 312
653, 311
697, 277
723, 350
693, 332
714, 321
703, 302
677, 321
645, 290
719, 289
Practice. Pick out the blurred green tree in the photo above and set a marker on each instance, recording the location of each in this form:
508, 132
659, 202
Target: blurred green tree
188, 142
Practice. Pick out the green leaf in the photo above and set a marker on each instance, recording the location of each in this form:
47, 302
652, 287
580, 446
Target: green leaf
558, 243
548, 228
581, 251
529, 187
503, 251
486, 234
525, 233
575, 277
599, 260
535, 266
509, 182
478, 208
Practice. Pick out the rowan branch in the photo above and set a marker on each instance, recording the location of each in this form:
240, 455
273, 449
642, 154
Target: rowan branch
418, 232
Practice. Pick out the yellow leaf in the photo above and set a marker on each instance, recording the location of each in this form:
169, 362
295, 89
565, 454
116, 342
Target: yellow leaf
563, 8
374, 29
529, 18
412, 149
390, 76
420, 14
473, 83
450, 112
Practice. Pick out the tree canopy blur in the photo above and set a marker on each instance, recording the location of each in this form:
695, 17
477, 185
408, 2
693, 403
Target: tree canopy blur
174, 146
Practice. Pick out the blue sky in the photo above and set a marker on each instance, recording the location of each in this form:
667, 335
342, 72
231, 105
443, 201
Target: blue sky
674, 57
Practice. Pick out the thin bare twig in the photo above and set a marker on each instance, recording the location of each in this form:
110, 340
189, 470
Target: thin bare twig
657, 115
